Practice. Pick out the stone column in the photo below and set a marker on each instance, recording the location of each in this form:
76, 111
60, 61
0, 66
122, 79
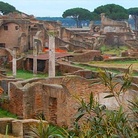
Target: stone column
14, 68
51, 56
59, 29
35, 58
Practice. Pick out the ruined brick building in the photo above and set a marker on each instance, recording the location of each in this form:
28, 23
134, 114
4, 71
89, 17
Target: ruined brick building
116, 32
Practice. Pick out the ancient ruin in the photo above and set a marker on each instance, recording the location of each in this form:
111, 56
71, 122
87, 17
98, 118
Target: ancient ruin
46, 47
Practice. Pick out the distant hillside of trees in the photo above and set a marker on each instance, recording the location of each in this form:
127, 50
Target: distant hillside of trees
69, 22
66, 22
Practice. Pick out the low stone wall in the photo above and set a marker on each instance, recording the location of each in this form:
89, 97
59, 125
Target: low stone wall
19, 128
85, 74
67, 68
86, 56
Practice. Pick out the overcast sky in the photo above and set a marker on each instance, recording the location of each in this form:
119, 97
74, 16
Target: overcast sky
55, 8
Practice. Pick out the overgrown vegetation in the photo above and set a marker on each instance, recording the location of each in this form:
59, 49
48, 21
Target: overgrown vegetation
113, 50
94, 120
46, 130
4, 113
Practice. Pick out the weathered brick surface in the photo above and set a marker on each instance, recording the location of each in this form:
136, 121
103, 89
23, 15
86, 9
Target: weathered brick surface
16, 100
3, 52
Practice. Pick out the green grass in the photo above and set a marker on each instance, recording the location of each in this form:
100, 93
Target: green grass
26, 74
86, 67
113, 50
95, 69
114, 62
4, 113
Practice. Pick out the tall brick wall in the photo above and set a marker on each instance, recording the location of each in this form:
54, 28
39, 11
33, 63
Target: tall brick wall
78, 88
16, 100
46, 99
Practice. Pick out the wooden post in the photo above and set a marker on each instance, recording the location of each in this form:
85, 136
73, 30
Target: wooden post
51, 56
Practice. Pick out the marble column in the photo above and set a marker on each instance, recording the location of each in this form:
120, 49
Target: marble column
35, 58
14, 65
51, 72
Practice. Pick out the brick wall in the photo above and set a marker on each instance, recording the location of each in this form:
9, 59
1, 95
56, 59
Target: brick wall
49, 97
14, 105
3, 52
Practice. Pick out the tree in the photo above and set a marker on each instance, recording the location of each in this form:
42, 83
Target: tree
113, 11
6, 8
78, 14
134, 13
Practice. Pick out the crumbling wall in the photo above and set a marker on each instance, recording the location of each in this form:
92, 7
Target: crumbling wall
16, 100
119, 31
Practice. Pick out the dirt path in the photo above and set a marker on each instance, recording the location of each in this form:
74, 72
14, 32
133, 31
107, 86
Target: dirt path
3, 136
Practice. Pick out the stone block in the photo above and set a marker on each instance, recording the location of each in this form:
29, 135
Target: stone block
22, 128
6, 122
17, 128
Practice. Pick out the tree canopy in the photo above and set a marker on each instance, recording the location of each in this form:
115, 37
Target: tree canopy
134, 13
77, 14
6, 8
113, 11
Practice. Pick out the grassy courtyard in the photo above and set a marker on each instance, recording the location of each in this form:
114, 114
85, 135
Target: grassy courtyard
116, 64
26, 74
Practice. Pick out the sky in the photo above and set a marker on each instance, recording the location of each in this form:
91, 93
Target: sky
55, 8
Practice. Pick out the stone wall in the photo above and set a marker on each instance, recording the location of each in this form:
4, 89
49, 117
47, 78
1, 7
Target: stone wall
85, 74
16, 100
19, 128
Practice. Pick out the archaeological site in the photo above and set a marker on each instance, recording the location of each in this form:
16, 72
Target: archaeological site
67, 56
